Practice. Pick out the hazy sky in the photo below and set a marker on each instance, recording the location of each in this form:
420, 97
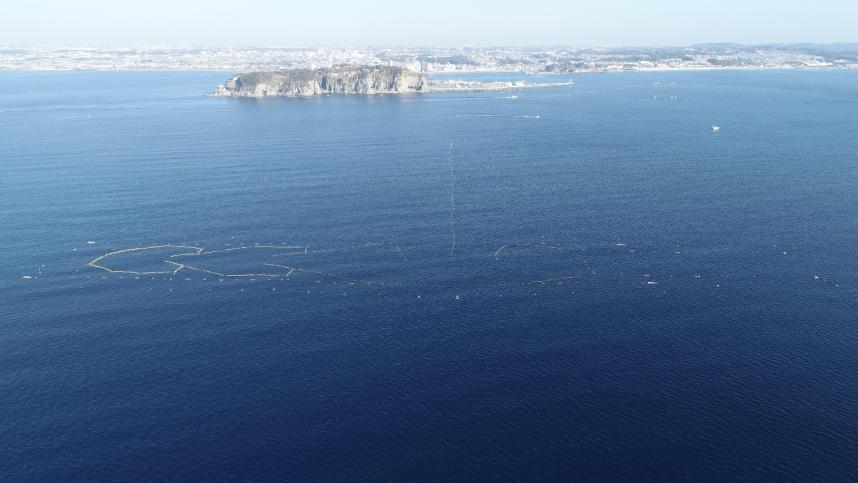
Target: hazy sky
427, 22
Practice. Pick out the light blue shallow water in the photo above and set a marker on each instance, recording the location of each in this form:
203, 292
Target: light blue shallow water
629, 295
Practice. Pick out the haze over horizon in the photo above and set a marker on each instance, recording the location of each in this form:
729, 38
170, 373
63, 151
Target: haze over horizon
442, 23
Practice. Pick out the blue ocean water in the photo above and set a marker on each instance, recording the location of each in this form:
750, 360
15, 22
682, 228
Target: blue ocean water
589, 285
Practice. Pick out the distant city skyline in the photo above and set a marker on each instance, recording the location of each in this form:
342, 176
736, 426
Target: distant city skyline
480, 23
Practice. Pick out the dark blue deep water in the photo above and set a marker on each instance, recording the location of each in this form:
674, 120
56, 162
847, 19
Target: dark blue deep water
630, 295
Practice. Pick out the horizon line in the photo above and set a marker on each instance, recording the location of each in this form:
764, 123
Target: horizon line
147, 45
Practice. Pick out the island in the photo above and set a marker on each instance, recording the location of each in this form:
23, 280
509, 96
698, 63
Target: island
316, 82
349, 80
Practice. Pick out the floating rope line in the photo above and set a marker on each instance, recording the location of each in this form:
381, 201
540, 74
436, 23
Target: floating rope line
550, 280
199, 252
501, 249
97, 262
527, 244
452, 200
191, 257
401, 253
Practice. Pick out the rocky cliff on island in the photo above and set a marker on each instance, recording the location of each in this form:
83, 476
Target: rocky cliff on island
315, 82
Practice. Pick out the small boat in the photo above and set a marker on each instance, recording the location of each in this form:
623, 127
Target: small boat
716, 127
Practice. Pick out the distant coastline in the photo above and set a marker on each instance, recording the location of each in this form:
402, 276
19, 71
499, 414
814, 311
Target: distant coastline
535, 60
